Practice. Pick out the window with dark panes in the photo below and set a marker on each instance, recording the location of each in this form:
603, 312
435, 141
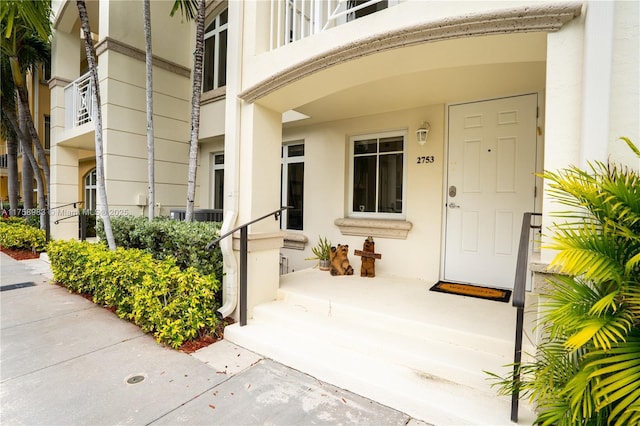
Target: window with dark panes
378, 174
292, 174
215, 53
217, 184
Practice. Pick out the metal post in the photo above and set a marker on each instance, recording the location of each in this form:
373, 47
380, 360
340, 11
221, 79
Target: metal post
517, 358
243, 276
83, 225
47, 224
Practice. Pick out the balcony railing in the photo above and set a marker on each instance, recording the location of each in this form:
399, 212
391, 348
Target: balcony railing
293, 20
78, 98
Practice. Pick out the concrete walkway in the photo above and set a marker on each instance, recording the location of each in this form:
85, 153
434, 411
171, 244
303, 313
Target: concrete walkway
66, 361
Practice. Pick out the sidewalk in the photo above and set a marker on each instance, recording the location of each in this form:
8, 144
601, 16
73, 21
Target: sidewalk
66, 361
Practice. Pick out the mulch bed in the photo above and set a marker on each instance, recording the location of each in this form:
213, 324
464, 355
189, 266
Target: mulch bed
20, 254
188, 347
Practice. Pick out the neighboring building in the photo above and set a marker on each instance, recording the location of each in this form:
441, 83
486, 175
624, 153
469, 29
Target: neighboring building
316, 104
39, 103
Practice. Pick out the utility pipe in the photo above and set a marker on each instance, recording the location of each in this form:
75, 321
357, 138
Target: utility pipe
232, 142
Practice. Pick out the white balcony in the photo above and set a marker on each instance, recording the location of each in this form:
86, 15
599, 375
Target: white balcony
78, 97
293, 20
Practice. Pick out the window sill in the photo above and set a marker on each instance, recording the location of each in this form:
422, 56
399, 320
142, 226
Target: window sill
383, 228
213, 95
295, 241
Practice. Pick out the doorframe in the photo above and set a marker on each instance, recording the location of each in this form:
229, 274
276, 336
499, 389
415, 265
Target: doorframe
539, 168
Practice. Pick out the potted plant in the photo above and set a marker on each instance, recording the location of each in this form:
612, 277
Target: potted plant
322, 251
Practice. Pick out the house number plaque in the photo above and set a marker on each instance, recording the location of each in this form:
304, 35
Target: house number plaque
426, 159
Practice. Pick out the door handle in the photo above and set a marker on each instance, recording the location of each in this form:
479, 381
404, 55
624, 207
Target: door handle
453, 205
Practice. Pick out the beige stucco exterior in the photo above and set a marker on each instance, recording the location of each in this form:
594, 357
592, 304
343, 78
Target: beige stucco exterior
388, 71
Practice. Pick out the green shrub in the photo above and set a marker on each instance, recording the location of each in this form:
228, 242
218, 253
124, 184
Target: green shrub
164, 238
175, 305
587, 366
70, 264
16, 234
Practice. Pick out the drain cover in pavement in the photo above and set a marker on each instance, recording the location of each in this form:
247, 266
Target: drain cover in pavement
15, 286
135, 379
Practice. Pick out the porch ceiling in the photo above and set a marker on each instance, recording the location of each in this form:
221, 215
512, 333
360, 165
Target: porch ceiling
429, 74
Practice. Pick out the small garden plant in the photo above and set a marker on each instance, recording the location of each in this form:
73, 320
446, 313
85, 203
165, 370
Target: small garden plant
587, 369
174, 304
16, 233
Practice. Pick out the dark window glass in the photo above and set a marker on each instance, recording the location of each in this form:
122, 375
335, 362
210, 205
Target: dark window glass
222, 59
47, 132
378, 175
364, 184
295, 195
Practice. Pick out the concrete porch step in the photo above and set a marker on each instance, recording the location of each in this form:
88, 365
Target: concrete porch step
391, 340
426, 397
367, 333
399, 323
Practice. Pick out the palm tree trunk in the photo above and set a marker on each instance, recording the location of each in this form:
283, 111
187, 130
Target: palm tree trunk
93, 69
30, 167
146, 7
12, 171
23, 102
31, 164
27, 171
195, 111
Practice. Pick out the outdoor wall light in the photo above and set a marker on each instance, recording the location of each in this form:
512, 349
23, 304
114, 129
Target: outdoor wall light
423, 132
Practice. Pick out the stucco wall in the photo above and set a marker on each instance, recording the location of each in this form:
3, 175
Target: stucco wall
326, 185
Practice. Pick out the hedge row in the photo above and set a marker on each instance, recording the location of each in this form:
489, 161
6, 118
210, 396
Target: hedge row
157, 295
164, 238
15, 233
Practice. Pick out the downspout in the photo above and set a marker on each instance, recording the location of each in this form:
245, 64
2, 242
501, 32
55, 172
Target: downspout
232, 163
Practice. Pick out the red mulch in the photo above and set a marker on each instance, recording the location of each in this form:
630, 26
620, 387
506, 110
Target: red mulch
187, 347
20, 254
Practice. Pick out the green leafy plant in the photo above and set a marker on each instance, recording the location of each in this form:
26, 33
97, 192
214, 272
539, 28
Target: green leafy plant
157, 295
17, 234
164, 238
587, 369
322, 250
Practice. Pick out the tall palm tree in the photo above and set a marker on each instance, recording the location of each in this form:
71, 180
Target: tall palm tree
146, 11
187, 9
26, 27
95, 86
9, 135
32, 165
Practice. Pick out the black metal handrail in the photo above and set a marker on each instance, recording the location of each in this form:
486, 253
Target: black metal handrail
243, 258
48, 219
519, 286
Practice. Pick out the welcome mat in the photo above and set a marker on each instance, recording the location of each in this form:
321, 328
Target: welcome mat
497, 294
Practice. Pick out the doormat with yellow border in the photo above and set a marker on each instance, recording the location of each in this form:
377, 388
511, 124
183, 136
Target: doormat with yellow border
497, 294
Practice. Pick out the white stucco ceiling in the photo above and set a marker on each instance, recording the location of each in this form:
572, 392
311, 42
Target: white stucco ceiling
418, 76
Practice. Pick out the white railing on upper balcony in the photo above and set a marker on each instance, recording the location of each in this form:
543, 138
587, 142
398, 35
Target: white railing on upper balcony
293, 20
78, 98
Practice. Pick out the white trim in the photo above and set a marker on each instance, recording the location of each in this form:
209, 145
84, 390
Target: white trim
212, 175
285, 159
215, 35
376, 215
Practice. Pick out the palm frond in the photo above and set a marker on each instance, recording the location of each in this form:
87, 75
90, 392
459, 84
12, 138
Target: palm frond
617, 375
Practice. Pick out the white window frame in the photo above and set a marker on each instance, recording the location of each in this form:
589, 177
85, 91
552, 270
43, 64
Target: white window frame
378, 215
215, 33
284, 186
91, 203
215, 167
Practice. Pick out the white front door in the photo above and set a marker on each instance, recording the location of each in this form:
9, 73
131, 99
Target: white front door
490, 184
